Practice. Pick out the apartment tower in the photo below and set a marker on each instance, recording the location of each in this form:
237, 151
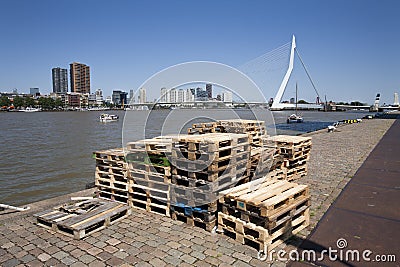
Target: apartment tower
80, 78
60, 80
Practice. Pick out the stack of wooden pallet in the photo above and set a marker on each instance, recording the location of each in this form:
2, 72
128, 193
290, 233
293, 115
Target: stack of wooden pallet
111, 175
263, 213
295, 151
202, 166
150, 175
205, 127
254, 128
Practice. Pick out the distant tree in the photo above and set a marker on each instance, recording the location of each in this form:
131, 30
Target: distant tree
58, 103
28, 102
301, 101
4, 101
46, 103
357, 103
18, 101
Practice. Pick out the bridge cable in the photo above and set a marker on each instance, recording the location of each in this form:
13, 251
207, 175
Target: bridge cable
308, 74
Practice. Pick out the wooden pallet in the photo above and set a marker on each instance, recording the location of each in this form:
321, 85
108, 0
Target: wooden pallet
223, 182
212, 142
150, 176
222, 154
269, 222
144, 201
292, 147
208, 226
154, 145
259, 238
239, 160
203, 213
238, 170
112, 193
82, 219
270, 199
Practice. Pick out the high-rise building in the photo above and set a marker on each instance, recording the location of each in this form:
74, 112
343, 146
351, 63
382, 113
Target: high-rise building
119, 97
60, 80
227, 96
181, 96
189, 95
99, 97
396, 100
173, 96
142, 95
131, 97
164, 95
34, 91
80, 78
209, 90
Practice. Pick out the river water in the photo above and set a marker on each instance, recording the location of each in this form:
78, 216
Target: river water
48, 154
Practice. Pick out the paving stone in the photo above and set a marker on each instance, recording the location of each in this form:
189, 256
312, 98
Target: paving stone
145, 256
156, 262
104, 255
60, 255
44, 257
10, 263
213, 261
114, 261
52, 262
198, 255
110, 249
113, 241
28, 258
121, 255
68, 260
242, 256
240, 263
94, 251
187, 258
100, 244
86, 259
97, 263
78, 264
172, 260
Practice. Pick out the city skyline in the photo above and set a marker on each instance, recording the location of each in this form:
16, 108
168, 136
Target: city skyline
351, 58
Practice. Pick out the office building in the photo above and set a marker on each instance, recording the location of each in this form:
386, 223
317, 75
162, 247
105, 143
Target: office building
80, 78
119, 98
34, 91
142, 95
60, 80
209, 90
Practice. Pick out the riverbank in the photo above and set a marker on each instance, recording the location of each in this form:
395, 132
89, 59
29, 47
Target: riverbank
145, 239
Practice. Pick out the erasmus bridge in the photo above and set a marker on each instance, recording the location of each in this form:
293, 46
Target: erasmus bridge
261, 70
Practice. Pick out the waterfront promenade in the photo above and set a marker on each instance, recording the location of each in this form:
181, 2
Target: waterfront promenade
145, 239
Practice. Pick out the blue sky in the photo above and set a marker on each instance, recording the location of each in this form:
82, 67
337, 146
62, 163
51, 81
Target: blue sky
350, 47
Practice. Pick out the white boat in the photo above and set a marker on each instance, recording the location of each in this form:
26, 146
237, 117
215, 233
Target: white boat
295, 118
29, 109
108, 117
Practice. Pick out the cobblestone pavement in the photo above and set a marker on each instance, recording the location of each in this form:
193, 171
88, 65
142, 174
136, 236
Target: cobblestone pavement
145, 239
